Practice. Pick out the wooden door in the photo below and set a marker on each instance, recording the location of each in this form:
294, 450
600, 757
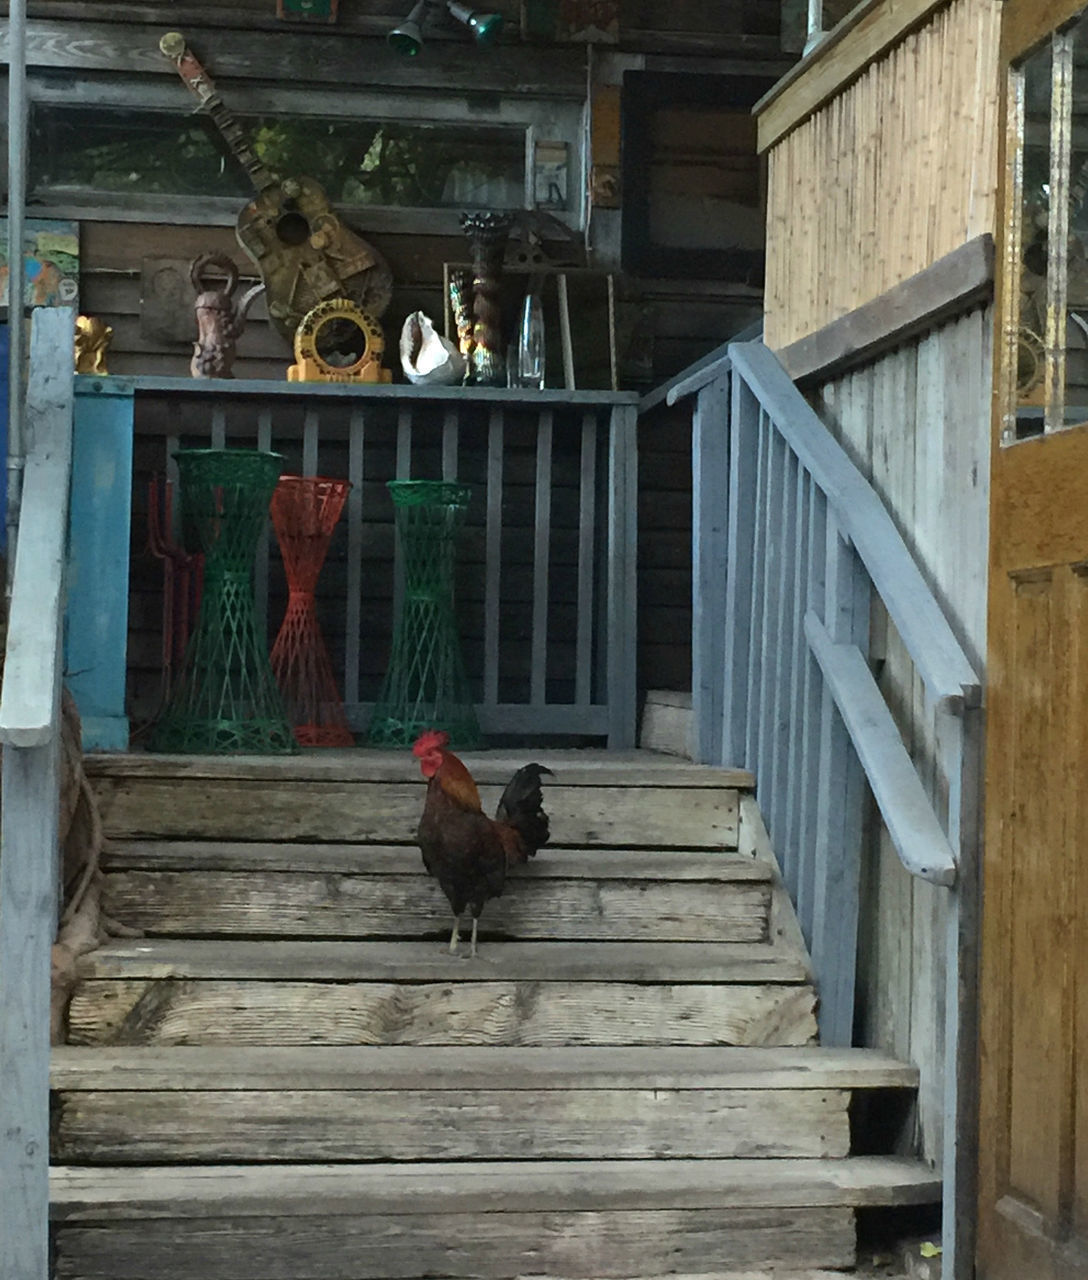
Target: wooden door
1034, 1114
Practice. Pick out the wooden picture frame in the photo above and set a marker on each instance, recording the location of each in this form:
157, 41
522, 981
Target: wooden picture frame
648, 97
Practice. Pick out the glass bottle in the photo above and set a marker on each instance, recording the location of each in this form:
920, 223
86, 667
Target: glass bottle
531, 343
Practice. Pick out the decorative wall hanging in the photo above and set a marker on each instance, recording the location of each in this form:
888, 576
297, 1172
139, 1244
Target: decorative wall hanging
340, 321
428, 358
92, 340
219, 319
50, 263
487, 233
303, 251
307, 10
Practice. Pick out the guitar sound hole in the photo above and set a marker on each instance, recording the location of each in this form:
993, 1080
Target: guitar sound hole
293, 229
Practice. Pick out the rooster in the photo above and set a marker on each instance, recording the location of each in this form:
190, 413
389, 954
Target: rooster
466, 851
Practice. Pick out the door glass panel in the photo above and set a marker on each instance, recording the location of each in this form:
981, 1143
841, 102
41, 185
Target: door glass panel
1046, 320
1076, 332
1029, 202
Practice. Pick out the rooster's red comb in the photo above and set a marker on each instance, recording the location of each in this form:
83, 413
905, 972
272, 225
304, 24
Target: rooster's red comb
429, 740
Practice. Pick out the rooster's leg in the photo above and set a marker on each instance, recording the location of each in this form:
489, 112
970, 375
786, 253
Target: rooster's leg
472, 948
455, 936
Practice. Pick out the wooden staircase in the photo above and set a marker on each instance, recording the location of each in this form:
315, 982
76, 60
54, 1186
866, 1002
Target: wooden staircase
289, 1077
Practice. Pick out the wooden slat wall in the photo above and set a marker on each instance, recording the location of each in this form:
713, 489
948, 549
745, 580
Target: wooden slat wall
897, 170
917, 423
110, 258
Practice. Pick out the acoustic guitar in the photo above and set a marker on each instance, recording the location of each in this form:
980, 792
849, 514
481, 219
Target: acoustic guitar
303, 251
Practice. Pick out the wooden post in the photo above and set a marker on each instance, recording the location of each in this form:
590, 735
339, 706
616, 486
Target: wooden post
622, 576
709, 556
960, 740
743, 466
29, 868
840, 806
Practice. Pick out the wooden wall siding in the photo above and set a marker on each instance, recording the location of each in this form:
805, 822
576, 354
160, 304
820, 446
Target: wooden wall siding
917, 423
896, 171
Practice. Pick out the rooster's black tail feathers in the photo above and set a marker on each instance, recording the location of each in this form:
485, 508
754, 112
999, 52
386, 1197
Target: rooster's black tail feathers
522, 807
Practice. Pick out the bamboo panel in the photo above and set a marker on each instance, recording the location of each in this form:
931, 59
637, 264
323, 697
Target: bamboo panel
893, 173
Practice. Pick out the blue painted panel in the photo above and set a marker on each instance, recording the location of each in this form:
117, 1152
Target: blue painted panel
96, 623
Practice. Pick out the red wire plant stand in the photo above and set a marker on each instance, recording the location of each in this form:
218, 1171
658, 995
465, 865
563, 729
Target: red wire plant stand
305, 510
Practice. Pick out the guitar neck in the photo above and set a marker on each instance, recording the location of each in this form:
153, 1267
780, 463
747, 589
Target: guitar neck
201, 85
238, 140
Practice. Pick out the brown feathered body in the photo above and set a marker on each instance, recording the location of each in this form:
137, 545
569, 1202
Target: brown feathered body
467, 852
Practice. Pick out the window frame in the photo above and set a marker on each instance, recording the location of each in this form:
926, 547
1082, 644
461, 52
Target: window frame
539, 119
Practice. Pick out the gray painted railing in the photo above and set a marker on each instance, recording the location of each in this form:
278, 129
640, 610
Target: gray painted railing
791, 543
29, 859
547, 561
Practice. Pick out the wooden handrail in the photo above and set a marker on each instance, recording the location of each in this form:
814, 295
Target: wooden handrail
918, 836
949, 678
30, 730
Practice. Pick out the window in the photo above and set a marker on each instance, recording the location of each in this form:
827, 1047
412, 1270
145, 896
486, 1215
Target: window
358, 162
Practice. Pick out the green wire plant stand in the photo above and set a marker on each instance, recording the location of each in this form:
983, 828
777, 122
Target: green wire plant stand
226, 699
425, 685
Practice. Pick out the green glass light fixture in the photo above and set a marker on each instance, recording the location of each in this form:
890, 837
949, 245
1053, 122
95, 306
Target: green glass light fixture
407, 37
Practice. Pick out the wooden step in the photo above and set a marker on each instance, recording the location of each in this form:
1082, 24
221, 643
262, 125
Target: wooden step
574, 767
166, 1107
596, 963
288, 992
553, 862
411, 905
271, 808
392, 1067
576, 1219
187, 1126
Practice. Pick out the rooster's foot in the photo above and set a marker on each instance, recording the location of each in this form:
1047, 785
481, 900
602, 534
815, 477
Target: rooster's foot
455, 936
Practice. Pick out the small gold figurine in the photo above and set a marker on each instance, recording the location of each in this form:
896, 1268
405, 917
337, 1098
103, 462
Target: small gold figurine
92, 338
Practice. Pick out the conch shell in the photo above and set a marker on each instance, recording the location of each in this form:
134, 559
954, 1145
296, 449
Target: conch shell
426, 357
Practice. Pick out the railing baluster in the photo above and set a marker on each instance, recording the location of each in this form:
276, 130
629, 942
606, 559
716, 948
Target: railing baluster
838, 839
809, 779
493, 566
781, 707
798, 657
260, 574
219, 426
622, 647
404, 472
757, 598
311, 427
354, 603
587, 515
709, 555
743, 484
769, 638
542, 511
450, 438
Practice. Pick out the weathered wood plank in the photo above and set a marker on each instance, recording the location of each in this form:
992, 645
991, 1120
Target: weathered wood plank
573, 768
217, 903
835, 62
499, 1012
355, 859
604, 1243
394, 1067
286, 959
301, 1125
308, 57
685, 817
258, 1191
952, 284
